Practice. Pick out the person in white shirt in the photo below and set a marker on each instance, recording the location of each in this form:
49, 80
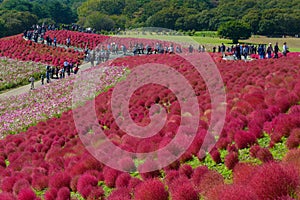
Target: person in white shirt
285, 49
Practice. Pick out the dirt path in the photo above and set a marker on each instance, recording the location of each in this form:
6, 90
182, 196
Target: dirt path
37, 84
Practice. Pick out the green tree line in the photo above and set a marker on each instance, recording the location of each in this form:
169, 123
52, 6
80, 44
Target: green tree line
273, 17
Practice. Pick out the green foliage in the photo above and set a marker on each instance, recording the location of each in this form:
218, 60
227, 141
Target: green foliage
208, 161
234, 30
16, 22
99, 21
271, 18
107, 190
279, 150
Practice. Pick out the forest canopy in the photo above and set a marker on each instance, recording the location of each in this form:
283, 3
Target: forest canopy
271, 18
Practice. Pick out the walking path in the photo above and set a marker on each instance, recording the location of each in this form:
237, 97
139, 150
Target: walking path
37, 84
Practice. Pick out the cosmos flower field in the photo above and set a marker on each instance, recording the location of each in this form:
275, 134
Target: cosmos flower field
256, 156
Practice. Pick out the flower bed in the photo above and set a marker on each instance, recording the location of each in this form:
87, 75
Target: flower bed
78, 39
15, 73
19, 112
16, 47
262, 96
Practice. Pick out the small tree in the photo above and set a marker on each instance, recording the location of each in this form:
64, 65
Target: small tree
235, 30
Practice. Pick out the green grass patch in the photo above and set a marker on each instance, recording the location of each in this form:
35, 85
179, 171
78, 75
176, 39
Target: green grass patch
107, 190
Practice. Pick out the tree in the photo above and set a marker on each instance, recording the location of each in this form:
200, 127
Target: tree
99, 22
235, 30
16, 22
2, 28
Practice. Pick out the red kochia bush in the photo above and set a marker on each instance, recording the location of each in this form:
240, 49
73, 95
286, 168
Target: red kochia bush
39, 181
244, 139
123, 180
110, 176
186, 170
151, 190
231, 160
273, 181
127, 164
84, 182
96, 193
185, 192
7, 196
26, 194
232, 192
19, 185
63, 194
7, 184
243, 172
294, 139
264, 155
216, 156
293, 158
60, 180
176, 182
51, 194
120, 194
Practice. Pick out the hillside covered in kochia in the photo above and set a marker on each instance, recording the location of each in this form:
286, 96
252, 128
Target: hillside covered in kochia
274, 17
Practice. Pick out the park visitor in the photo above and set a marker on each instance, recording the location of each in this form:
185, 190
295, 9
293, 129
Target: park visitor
285, 49
31, 80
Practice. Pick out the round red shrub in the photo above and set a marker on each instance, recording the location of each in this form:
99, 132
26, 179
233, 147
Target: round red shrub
185, 192
73, 183
151, 189
39, 182
186, 170
293, 158
293, 140
26, 194
232, 192
127, 164
7, 196
85, 182
231, 160
198, 174
170, 176
63, 194
133, 183
96, 193
216, 156
149, 170
273, 180
110, 176
243, 172
7, 184
59, 180
20, 185
209, 180
123, 180
264, 155
181, 180
51, 194
244, 139
253, 150
120, 194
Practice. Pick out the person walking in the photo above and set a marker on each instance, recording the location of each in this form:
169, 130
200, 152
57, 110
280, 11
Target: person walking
285, 49
269, 50
31, 80
276, 50
42, 79
55, 41
68, 42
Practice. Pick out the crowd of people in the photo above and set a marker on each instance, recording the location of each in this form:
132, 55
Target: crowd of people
103, 53
244, 50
